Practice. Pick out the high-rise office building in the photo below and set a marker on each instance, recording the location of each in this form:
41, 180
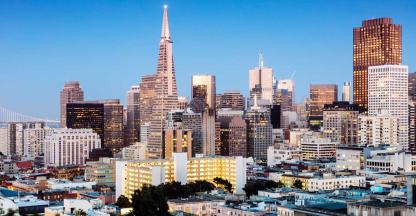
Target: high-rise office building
237, 137
340, 122
133, 115
261, 82
378, 130
346, 92
34, 138
203, 86
285, 94
388, 92
86, 115
208, 132
177, 140
231, 99
320, 95
147, 93
182, 103
376, 42
66, 146
259, 132
193, 121
113, 124
71, 93
166, 96
412, 86
412, 125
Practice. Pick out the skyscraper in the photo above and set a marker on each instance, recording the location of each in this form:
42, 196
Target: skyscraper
259, 132
231, 100
320, 95
70, 93
346, 92
203, 86
412, 86
86, 115
113, 123
340, 122
388, 92
166, 97
376, 42
261, 82
133, 115
285, 94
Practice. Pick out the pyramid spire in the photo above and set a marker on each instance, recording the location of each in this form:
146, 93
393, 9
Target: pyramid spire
165, 24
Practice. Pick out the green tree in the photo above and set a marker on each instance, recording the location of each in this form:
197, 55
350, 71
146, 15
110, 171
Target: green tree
224, 183
174, 190
123, 202
199, 186
298, 184
149, 201
280, 184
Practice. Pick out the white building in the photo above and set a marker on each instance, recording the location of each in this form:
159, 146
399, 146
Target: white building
378, 130
3, 141
315, 147
25, 204
33, 141
261, 82
63, 184
330, 182
346, 92
388, 91
277, 155
132, 175
66, 146
391, 161
137, 151
287, 118
350, 158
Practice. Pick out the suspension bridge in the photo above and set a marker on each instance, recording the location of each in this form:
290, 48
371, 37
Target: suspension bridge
8, 116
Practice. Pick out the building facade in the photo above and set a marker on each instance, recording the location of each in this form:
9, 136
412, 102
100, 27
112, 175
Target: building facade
377, 42
66, 146
340, 122
71, 93
388, 92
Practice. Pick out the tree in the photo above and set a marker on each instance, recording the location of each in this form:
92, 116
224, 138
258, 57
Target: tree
253, 187
174, 190
80, 212
123, 202
298, 184
150, 200
224, 183
280, 184
199, 186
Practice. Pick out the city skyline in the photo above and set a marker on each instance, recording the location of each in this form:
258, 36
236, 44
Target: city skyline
97, 71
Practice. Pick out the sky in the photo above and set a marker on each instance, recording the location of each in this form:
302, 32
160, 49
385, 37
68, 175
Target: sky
108, 45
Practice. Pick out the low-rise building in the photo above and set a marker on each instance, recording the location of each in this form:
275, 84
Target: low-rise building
102, 172
315, 147
277, 155
391, 161
200, 205
24, 205
350, 157
63, 184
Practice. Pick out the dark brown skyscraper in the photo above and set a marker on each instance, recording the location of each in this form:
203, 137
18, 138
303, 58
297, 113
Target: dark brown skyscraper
377, 42
71, 93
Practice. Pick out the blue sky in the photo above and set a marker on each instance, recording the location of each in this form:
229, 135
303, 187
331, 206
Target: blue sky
108, 45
